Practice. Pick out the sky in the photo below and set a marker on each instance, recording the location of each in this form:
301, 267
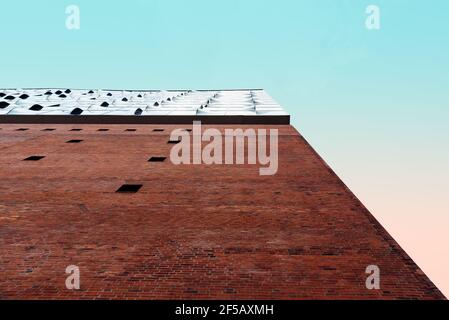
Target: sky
373, 103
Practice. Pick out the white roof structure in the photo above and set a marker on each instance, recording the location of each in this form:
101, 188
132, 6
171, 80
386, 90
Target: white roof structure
67, 102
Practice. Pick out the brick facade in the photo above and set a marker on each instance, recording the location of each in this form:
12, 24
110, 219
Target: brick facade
191, 232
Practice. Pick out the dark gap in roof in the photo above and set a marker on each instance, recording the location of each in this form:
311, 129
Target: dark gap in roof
2, 94
58, 92
68, 91
74, 141
139, 96
156, 104
158, 130
24, 96
157, 159
109, 94
48, 93
130, 130
36, 107
169, 99
105, 104
76, 111
34, 158
124, 99
93, 98
138, 112
76, 130
49, 129
3, 104
54, 106
174, 141
188, 130
22, 129
9, 98
129, 188
63, 96
103, 130
90, 91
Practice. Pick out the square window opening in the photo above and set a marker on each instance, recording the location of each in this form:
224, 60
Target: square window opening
129, 188
34, 158
157, 159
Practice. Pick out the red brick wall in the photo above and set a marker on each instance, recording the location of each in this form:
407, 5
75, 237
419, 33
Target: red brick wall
191, 232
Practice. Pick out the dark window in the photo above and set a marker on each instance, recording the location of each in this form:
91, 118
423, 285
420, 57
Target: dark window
76, 111
36, 107
130, 130
22, 129
157, 159
76, 130
74, 141
129, 188
105, 104
58, 92
24, 96
103, 130
9, 98
158, 130
3, 104
49, 130
34, 158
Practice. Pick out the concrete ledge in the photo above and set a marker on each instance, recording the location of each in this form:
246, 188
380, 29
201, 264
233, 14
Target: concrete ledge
111, 119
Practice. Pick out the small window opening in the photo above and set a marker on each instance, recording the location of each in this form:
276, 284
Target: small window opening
129, 188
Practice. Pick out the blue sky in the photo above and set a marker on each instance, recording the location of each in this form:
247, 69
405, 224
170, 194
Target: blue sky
373, 103
314, 57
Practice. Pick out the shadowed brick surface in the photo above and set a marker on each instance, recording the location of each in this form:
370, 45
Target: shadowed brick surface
191, 232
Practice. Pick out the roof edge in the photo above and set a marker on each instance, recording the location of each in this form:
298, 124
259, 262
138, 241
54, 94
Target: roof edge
121, 119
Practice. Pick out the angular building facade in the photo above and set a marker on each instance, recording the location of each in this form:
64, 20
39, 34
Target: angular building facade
87, 181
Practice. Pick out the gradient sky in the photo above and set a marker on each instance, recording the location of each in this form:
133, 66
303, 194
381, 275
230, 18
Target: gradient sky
374, 104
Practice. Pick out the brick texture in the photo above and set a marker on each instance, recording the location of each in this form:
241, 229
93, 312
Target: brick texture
192, 231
